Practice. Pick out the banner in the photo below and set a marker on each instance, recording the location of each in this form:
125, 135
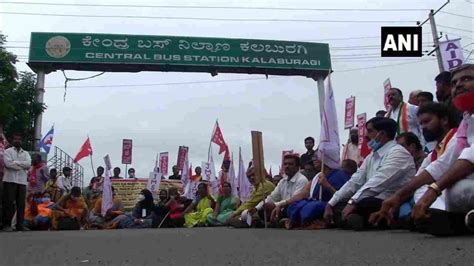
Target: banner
451, 53
283, 154
361, 119
349, 113
182, 151
163, 163
127, 151
154, 183
364, 148
128, 189
207, 173
386, 89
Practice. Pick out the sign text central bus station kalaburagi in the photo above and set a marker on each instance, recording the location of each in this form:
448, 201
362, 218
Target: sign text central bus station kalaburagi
134, 53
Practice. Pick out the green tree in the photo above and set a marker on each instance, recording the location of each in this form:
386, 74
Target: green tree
18, 105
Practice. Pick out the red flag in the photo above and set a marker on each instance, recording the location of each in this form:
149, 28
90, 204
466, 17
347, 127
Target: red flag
85, 151
218, 139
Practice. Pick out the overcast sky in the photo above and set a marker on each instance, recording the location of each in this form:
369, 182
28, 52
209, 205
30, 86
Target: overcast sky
161, 117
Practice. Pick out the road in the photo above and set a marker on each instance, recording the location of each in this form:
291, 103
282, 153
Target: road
226, 246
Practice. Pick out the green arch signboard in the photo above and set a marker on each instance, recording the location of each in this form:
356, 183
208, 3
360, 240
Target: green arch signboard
134, 53
51, 51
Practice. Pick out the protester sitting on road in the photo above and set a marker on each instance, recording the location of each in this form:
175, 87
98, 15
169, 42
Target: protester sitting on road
71, 211
39, 211
452, 171
292, 183
94, 190
439, 126
176, 205
384, 170
64, 181
38, 174
97, 220
142, 216
51, 186
306, 208
349, 166
259, 193
203, 205
225, 206
412, 144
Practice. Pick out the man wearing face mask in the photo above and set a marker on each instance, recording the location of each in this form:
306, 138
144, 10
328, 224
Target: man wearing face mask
438, 125
351, 149
17, 163
384, 170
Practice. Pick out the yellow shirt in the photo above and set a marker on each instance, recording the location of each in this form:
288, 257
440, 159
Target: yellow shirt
259, 194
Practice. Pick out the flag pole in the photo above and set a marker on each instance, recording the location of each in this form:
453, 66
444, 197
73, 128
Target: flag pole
210, 142
322, 173
92, 165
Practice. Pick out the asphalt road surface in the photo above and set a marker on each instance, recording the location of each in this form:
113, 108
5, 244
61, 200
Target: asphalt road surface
226, 246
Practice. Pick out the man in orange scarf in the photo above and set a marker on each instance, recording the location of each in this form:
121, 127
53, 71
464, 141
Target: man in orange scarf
404, 114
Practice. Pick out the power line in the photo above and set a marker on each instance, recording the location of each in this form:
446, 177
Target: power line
457, 15
219, 7
453, 28
208, 18
381, 66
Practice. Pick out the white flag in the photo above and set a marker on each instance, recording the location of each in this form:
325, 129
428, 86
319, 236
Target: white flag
154, 182
329, 138
233, 180
245, 187
213, 181
107, 195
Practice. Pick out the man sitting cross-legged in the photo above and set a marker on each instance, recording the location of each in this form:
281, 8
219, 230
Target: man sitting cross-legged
385, 169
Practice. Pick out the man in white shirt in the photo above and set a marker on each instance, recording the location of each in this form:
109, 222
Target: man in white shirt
404, 114
64, 181
439, 126
15, 179
454, 170
292, 182
384, 170
351, 149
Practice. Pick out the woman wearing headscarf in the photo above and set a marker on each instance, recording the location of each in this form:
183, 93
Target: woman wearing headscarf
196, 213
226, 204
142, 216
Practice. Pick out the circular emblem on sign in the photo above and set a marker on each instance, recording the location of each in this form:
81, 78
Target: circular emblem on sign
58, 46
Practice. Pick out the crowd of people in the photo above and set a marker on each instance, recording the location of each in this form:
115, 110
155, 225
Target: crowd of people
419, 175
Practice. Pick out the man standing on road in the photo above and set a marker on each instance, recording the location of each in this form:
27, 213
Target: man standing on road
15, 179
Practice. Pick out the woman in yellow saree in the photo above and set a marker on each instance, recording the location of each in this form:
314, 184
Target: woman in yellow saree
203, 205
